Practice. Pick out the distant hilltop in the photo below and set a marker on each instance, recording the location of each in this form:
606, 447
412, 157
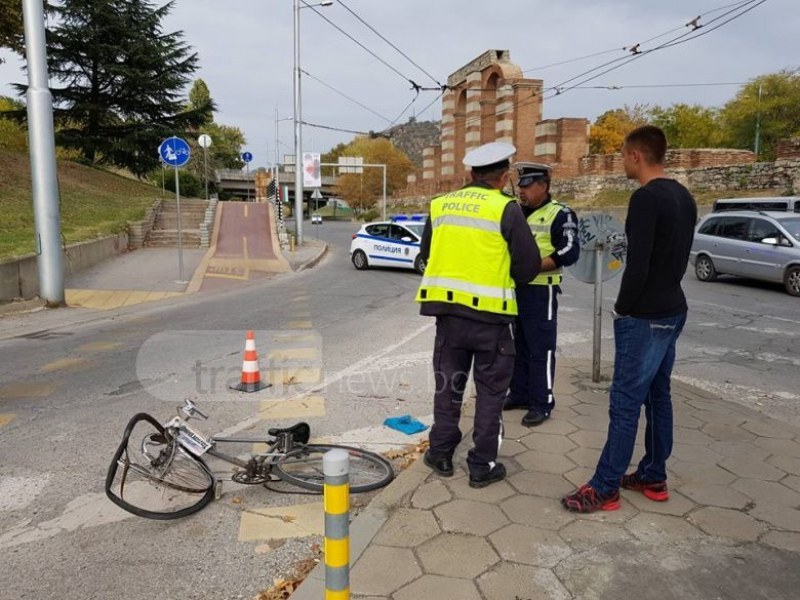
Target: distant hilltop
413, 136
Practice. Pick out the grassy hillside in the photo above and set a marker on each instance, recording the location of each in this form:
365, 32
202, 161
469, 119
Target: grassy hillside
93, 203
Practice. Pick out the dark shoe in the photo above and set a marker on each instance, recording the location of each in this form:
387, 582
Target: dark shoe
496, 474
587, 500
533, 418
509, 404
654, 490
441, 466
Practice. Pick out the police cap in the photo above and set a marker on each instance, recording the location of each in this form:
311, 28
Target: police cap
490, 156
529, 172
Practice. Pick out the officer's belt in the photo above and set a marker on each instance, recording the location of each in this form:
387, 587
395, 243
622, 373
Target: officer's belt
469, 288
482, 224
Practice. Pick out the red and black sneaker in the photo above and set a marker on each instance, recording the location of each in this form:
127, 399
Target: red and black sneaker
654, 490
586, 499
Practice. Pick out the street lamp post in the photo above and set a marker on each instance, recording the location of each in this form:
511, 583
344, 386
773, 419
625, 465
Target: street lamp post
298, 120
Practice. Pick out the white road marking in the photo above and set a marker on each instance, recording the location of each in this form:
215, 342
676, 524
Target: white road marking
378, 438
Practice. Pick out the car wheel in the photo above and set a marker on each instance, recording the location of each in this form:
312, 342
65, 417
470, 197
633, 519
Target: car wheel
704, 269
419, 265
792, 280
360, 260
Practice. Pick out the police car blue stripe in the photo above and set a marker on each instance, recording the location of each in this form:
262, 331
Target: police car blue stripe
381, 257
390, 240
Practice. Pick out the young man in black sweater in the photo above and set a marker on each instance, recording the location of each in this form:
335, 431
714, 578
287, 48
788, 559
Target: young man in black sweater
649, 316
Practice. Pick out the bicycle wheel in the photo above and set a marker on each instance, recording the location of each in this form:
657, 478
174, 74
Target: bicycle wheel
152, 476
303, 467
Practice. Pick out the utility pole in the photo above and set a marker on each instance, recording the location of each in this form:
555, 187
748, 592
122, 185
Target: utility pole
42, 149
758, 123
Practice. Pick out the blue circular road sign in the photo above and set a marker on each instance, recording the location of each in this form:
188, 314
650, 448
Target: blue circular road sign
247, 157
174, 152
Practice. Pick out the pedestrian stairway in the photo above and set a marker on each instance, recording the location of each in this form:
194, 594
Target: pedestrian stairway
165, 228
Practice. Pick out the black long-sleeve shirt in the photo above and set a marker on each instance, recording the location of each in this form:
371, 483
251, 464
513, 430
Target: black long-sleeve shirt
526, 262
660, 229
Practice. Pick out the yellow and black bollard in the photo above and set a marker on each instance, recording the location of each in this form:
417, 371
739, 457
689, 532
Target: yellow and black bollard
336, 468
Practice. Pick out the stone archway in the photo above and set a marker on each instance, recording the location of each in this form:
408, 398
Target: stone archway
460, 128
489, 108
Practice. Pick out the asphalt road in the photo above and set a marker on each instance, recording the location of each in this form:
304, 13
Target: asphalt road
69, 382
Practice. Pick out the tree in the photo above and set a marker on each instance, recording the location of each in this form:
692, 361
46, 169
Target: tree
11, 25
200, 101
122, 81
689, 126
610, 128
777, 110
363, 190
12, 135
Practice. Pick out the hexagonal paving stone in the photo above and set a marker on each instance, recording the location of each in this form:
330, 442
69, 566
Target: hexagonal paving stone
677, 505
540, 484
430, 494
727, 433
509, 581
752, 468
624, 513
511, 447
545, 442
785, 540
590, 439
784, 447
584, 534
792, 481
789, 464
491, 494
558, 424
530, 546
467, 516
584, 457
598, 396
381, 570
694, 437
739, 450
700, 473
590, 423
433, 586
407, 528
512, 426
718, 416
545, 462
659, 529
685, 419
544, 513
577, 477
767, 491
768, 428
454, 555
591, 410
777, 515
695, 454
722, 496
727, 523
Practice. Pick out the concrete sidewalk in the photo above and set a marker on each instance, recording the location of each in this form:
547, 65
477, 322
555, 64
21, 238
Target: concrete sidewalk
730, 530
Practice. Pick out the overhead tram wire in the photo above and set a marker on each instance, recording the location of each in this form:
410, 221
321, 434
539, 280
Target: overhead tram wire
403, 54
353, 100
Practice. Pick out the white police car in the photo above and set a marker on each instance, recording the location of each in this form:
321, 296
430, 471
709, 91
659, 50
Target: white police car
393, 243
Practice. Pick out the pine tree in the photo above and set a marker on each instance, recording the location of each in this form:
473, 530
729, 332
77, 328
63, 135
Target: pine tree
122, 81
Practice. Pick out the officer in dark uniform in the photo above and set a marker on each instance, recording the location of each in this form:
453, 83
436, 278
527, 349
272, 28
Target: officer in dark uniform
554, 225
478, 248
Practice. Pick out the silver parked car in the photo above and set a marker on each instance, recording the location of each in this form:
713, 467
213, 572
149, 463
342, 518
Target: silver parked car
757, 245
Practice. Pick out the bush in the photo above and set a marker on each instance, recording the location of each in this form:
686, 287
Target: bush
191, 186
370, 215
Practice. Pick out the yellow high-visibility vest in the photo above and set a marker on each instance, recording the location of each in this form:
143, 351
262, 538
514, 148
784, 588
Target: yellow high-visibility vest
470, 263
541, 222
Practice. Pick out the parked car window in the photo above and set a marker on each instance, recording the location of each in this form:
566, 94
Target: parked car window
709, 227
380, 230
733, 227
792, 226
760, 229
398, 233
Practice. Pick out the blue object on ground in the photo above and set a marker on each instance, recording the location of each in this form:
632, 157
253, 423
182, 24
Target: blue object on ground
407, 424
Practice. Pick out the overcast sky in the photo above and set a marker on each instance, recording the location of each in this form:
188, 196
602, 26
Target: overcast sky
246, 56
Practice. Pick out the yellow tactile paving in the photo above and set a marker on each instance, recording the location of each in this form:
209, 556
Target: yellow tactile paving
75, 297
294, 336
293, 354
98, 346
300, 408
26, 390
63, 363
293, 375
109, 299
6, 418
299, 324
283, 522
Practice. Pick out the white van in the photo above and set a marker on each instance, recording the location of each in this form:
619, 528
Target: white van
771, 203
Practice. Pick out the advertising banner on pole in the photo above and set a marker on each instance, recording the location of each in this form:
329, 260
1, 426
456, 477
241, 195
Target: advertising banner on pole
312, 176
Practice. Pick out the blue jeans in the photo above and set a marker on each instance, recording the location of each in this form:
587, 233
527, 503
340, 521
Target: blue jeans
644, 356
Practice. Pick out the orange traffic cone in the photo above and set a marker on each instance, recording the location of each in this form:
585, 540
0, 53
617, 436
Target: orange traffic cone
251, 374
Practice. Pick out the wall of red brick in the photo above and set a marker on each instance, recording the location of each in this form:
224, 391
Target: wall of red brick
788, 149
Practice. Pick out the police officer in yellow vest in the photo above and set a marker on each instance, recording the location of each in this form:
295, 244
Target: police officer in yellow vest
478, 248
554, 226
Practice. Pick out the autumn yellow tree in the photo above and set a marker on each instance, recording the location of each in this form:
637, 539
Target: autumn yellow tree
363, 190
609, 129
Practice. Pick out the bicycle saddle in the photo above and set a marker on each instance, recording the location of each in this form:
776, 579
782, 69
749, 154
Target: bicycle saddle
301, 432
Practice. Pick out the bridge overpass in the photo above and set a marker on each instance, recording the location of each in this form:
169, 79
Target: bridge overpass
237, 183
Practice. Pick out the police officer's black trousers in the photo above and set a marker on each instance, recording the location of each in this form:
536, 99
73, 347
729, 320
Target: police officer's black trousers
535, 368
460, 344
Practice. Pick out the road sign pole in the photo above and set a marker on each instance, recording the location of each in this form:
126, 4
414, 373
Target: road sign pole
599, 253
205, 169
247, 176
180, 231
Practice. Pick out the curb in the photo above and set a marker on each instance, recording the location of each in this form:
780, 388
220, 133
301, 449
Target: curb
312, 262
23, 306
366, 526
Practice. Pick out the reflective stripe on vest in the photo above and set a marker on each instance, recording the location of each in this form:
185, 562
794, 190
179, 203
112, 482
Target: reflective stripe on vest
541, 222
469, 263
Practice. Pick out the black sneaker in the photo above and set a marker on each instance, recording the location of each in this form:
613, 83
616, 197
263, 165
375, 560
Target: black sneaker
498, 473
510, 404
441, 466
533, 418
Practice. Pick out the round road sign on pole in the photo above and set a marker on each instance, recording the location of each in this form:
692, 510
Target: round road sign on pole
247, 157
174, 152
204, 141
